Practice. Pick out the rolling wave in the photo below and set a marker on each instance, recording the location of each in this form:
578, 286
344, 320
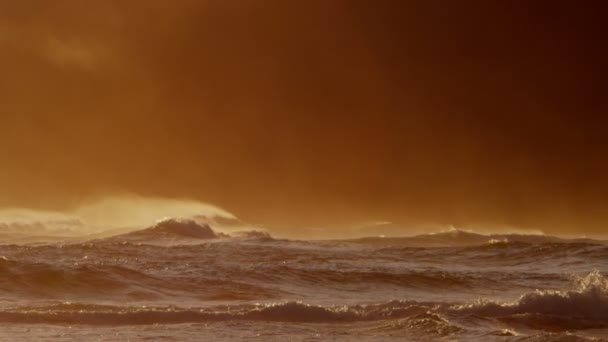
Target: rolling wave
461, 238
188, 271
30, 280
583, 308
74, 313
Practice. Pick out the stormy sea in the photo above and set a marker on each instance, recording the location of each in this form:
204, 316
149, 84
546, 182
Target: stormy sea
184, 279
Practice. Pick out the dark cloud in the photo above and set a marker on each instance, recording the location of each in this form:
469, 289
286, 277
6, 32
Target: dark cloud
311, 113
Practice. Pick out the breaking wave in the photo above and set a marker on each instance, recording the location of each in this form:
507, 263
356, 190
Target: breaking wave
171, 229
583, 308
180, 231
74, 313
191, 271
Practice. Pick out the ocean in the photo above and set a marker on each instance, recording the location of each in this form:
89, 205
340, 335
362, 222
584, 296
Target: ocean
183, 281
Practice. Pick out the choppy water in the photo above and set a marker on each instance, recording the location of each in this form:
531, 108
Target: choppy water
184, 282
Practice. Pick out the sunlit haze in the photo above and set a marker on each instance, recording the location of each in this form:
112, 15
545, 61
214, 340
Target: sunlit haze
303, 170
310, 114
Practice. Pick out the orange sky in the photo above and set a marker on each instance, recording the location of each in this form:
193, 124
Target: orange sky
311, 113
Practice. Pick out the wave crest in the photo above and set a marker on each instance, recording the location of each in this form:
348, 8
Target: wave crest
171, 231
295, 312
584, 307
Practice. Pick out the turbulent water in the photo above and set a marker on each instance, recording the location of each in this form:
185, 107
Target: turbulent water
180, 280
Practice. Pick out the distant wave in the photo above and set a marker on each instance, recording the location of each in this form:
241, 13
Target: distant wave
178, 231
461, 238
173, 228
106, 216
253, 235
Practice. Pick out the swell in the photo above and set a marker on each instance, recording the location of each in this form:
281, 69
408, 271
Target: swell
505, 253
281, 312
461, 238
30, 280
232, 270
372, 279
27, 279
555, 256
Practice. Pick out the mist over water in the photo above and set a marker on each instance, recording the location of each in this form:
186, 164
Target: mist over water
202, 273
112, 214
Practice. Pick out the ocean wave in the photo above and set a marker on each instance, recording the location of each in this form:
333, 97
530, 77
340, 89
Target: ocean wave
586, 307
78, 313
583, 308
171, 228
43, 280
463, 238
362, 280
520, 253
30, 280
255, 235
207, 277
180, 231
